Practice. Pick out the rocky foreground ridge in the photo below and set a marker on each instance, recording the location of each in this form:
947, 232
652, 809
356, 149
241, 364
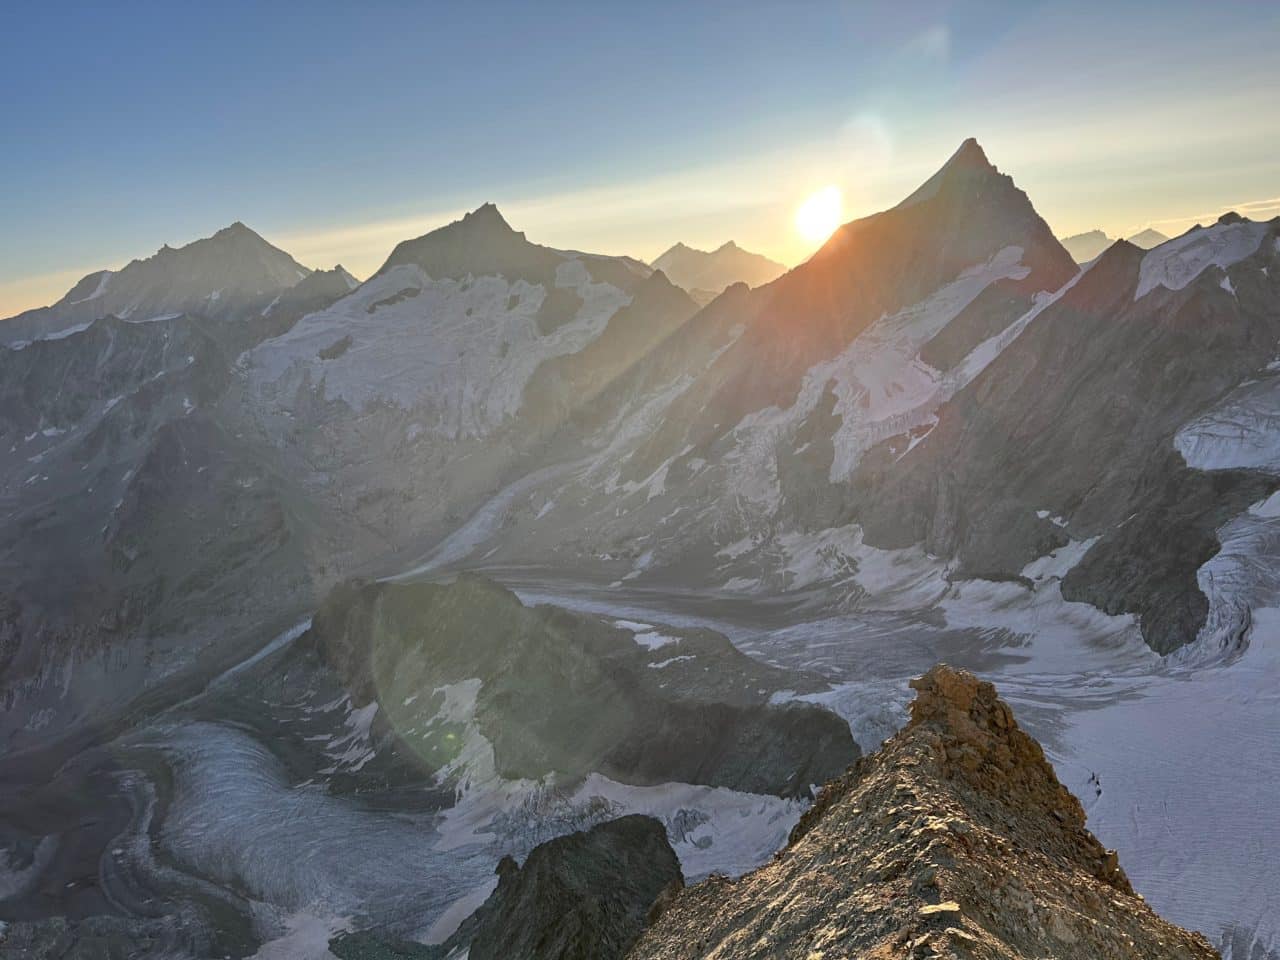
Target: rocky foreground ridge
954, 840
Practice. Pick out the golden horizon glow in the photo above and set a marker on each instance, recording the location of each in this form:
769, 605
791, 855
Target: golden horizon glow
820, 214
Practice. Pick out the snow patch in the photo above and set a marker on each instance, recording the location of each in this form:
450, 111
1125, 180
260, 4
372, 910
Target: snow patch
1058, 563
666, 663
103, 282
654, 640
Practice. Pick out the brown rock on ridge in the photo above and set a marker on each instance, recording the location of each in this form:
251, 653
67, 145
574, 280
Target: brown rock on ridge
954, 840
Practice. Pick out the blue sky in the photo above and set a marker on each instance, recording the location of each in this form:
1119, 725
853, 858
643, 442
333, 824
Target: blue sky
336, 130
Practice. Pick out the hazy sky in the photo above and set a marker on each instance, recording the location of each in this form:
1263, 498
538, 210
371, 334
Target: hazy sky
337, 130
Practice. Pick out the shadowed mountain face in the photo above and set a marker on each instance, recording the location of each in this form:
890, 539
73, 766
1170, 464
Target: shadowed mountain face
955, 839
133, 496
706, 274
1079, 418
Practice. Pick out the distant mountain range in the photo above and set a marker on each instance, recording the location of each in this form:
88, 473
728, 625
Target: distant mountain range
705, 274
218, 277
1084, 247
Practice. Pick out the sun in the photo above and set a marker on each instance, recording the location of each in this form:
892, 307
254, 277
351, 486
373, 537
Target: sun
818, 217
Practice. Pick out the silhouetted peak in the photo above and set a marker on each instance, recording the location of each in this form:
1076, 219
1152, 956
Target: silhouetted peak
970, 154
487, 217
967, 165
236, 231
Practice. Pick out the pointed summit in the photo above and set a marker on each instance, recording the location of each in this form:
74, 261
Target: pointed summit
1148, 238
970, 153
487, 216
235, 229
967, 164
482, 243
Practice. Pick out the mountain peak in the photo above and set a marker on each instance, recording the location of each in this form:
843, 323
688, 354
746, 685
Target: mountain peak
713, 271
970, 153
967, 164
487, 215
481, 242
1148, 238
236, 231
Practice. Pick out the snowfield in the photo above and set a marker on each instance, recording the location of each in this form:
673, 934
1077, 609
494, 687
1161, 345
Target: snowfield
462, 350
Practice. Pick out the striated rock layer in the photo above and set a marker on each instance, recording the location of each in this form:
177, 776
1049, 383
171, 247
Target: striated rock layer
954, 840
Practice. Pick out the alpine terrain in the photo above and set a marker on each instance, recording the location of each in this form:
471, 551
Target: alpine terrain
519, 601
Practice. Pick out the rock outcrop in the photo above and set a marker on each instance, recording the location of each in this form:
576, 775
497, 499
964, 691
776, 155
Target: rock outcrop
584, 896
954, 840
569, 694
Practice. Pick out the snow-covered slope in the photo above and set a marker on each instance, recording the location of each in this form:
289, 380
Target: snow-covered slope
460, 351
434, 383
1176, 263
1081, 416
775, 395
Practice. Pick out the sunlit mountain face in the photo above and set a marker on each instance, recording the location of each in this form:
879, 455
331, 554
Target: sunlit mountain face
796, 551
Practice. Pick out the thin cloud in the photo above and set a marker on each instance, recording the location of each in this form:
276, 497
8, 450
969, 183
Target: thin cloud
1248, 206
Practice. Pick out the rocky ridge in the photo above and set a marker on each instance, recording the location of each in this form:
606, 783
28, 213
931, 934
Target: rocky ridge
954, 840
